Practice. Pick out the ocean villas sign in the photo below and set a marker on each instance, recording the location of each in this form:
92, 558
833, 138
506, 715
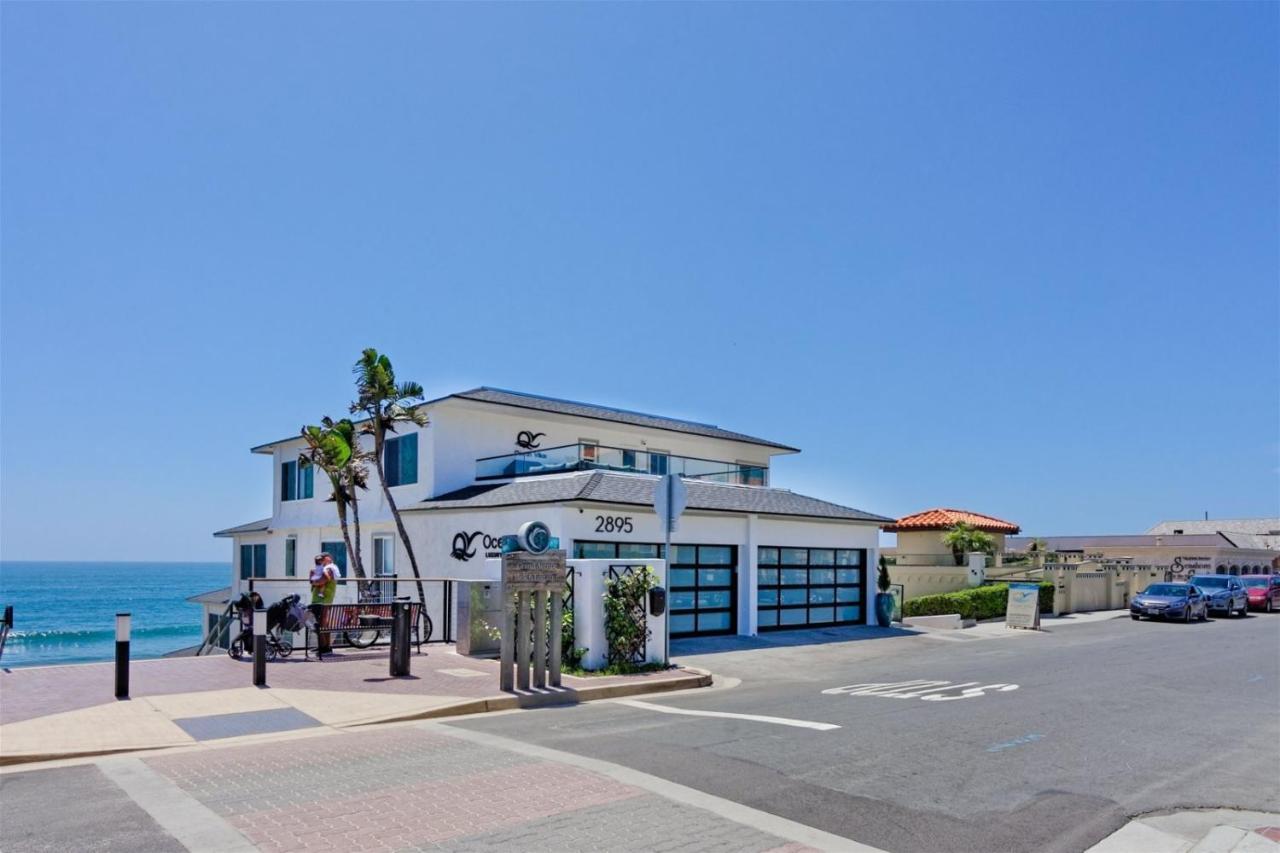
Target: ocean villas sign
464, 547
526, 440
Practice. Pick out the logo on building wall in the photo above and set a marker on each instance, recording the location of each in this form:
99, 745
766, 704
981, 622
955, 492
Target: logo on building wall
463, 547
527, 440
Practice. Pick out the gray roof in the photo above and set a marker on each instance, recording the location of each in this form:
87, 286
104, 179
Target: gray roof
554, 405
213, 596
521, 400
1244, 532
612, 488
1080, 543
258, 526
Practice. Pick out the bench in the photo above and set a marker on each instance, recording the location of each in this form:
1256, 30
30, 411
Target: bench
359, 619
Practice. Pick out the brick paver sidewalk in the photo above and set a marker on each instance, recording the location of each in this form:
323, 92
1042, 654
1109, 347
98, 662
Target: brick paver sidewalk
404, 787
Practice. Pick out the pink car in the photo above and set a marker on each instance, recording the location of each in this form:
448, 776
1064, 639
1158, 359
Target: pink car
1263, 591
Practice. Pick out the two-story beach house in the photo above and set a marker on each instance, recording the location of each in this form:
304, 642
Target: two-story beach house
747, 557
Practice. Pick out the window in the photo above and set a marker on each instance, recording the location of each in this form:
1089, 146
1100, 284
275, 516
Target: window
588, 449
291, 557
297, 480
253, 561
400, 460
658, 462
384, 556
337, 550
750, 474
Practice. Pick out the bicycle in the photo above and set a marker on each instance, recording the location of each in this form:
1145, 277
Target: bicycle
377, 623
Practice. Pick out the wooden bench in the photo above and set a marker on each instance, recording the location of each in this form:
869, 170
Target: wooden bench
368, 621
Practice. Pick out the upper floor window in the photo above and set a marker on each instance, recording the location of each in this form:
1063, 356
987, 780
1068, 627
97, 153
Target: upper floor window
297, 480
400, 460
658, 462
291, 557
253, 561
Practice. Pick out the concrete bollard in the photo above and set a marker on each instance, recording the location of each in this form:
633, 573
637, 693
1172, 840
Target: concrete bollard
259, 648
123, 628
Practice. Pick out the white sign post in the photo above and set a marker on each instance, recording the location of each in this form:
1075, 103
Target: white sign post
669, 500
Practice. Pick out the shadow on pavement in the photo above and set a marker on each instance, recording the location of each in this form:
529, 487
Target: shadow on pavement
781, 639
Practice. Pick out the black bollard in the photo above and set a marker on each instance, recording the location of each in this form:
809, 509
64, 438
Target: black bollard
259, 648
122, 655
400, 630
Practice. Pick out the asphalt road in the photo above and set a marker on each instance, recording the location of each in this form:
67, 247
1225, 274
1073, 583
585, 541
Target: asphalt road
1108, 720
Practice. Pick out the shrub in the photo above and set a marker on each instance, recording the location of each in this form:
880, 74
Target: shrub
983, 602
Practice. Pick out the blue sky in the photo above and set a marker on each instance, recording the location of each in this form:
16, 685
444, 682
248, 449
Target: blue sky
1015, 258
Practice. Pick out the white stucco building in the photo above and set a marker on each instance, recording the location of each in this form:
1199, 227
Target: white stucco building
748, 556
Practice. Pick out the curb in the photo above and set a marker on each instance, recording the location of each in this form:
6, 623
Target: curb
565, 696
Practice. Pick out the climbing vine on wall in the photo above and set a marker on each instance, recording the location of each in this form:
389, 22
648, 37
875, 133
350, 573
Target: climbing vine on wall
626, 627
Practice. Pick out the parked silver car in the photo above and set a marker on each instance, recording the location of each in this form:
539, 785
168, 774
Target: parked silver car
1226, 593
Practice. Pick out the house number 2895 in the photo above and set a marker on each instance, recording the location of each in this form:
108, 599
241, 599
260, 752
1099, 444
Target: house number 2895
613, 524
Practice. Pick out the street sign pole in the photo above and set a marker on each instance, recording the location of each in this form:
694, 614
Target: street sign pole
668, 503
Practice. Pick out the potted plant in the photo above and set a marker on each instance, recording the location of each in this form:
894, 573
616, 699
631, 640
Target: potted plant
884, 601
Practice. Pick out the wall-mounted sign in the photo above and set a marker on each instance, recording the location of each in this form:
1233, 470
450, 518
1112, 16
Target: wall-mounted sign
526, 440
1184, 565
463, 547
522, 571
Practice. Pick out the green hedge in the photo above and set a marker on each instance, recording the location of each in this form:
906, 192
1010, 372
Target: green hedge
983, 602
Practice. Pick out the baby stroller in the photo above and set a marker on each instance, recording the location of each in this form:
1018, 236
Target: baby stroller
279, 619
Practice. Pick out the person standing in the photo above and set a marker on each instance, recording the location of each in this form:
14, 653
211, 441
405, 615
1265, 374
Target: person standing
324, 588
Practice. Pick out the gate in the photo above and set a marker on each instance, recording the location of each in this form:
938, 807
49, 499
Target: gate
1090, 591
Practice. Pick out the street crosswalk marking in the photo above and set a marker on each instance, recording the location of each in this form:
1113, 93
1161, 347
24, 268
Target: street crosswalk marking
758, 718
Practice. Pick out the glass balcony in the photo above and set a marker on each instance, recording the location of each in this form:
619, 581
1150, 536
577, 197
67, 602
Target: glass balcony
594, 457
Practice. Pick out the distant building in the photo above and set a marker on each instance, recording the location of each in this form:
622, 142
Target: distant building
920, 535
1215, 546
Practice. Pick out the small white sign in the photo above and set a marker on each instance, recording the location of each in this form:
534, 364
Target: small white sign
1023, 609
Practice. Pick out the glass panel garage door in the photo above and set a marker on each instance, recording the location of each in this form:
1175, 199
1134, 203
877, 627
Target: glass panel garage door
810, 587
703, 586
702, 582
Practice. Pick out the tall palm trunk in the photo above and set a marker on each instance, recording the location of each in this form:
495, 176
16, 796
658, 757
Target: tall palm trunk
355, 518
346, 539
378, 437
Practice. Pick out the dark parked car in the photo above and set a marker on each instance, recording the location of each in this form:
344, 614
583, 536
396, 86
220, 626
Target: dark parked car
1170, 601
1225, 593
1263, 591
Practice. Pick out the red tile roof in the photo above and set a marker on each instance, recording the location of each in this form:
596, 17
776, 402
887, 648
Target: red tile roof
941, 519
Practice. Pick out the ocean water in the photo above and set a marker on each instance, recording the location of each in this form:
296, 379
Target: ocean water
66, 612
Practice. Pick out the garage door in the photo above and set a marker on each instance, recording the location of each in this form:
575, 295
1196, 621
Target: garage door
810, 587
702, 584
703, 581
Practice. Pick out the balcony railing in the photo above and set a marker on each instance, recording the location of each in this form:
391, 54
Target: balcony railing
594, 457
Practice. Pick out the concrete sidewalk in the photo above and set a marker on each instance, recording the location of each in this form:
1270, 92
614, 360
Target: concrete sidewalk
1196, 831
49, 713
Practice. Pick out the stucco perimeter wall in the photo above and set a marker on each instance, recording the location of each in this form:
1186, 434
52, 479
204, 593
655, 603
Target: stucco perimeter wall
929, 580
1088, 586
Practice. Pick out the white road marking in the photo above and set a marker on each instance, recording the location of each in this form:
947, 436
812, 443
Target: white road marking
925, 691
758, 718
191, 822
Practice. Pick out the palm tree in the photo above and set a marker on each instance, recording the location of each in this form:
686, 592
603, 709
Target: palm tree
386, 404
963, 538
332, 448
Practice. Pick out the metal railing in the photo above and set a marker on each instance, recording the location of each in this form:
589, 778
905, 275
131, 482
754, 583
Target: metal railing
595, 457
438, 592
